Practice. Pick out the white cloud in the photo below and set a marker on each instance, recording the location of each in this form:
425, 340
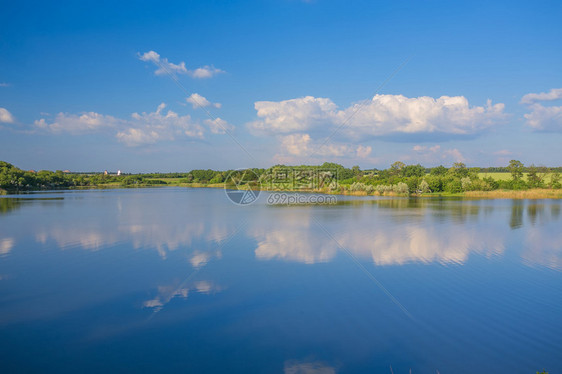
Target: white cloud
205, 72
218, 126
4, 84
198, 101
300, 124
293, 115
423, 148
543, 118
531, 98
167, 67
503, 152
392, 114
76, 124
303, 145
363, 151
383, 115
6, 116
143, 128
296, 144
148, 128
164, 66
427, 154
453, 154
135, 137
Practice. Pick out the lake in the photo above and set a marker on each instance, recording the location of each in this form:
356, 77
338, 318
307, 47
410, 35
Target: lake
183, 280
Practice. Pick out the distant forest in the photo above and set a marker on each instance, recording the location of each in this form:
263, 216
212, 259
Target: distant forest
399, 178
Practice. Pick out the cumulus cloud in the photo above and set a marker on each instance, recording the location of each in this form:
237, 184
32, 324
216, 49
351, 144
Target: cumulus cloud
135, 137
148, 128
363, 151
139, 129
531, 98
437, 154
383, 115
296, 144
198, 101
166, 67
503, 152
299, 123
303, 145
78, 123
218, 126
205, 72
454, 154
391, 114
423, 148
6, 116
543, 118
293, 115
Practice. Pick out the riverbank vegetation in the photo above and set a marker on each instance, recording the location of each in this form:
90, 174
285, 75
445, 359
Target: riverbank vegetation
513, 181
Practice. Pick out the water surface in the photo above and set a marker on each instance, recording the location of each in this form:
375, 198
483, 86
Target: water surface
175, 279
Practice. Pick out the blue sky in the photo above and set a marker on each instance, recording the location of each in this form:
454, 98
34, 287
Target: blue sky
146, 86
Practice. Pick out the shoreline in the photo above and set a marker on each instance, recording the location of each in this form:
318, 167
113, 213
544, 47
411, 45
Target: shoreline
531, 194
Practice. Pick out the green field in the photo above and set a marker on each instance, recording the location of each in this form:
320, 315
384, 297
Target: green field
499, 176
507, 176
496, 176
167, 180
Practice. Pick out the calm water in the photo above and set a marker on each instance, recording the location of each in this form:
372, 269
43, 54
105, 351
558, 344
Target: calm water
182, 280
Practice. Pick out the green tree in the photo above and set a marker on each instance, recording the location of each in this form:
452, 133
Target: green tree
459, 170
439, 170
218, 178
466, 183
436, 183
424, 187
396, 168
454, 186
555, 180
534, 177
516, 167
413, 171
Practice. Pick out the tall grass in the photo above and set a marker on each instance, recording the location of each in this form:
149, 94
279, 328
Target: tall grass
502, 176
537, 193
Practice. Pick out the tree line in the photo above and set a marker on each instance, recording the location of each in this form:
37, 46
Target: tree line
399, 178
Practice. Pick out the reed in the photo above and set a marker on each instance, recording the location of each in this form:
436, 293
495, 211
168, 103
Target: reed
537, 193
